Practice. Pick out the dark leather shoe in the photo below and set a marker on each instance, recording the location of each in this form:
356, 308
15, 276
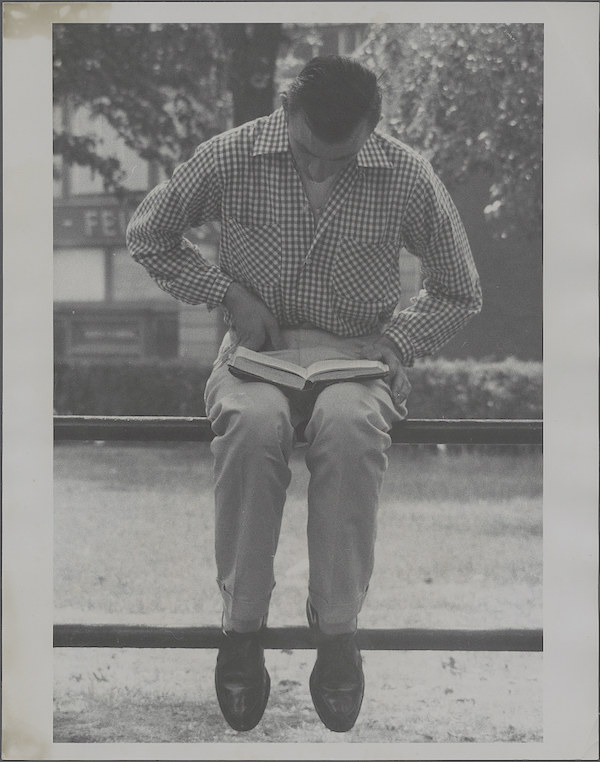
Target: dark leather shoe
337, 683
241, 679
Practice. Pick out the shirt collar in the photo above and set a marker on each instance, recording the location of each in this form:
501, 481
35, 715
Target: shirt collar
273, 138
372, 153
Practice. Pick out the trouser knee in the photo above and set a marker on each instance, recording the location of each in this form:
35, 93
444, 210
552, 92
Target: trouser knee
345, 414
259, 418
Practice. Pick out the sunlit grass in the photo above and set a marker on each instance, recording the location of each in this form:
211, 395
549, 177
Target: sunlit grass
458, 535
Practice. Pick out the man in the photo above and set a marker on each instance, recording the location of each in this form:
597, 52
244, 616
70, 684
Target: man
314, 207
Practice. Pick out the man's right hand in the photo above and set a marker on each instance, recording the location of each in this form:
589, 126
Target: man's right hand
254, 324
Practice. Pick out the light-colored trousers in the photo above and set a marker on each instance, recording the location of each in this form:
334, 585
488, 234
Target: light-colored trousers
346, 432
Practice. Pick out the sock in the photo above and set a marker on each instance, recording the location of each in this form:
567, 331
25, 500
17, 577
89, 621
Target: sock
242, 625
338, 628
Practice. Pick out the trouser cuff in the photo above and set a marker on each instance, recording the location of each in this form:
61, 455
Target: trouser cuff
335, 616
242, 611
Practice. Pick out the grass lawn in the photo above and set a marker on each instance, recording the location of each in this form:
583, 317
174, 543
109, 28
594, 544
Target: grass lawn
459, 545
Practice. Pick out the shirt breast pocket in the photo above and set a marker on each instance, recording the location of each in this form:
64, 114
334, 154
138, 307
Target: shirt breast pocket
366, 283
366, 270
251, 252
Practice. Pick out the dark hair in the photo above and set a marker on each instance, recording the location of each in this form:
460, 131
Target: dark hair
335, 93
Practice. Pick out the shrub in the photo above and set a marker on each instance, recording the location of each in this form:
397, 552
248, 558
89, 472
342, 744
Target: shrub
475, 389
441, 388
128, 388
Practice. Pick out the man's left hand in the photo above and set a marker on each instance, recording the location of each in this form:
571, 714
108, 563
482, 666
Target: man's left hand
385, 350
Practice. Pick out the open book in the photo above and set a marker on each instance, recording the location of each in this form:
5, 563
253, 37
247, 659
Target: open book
246, 363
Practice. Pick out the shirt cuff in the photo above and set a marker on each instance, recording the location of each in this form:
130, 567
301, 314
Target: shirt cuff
406, 350
218, 289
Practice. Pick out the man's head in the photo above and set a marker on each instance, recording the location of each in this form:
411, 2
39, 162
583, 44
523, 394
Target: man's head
335, 94
332, 107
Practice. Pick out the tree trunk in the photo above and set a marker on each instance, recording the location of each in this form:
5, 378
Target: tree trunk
252, 51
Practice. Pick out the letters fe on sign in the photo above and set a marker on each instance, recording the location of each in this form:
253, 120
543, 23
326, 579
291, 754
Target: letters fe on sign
90, 225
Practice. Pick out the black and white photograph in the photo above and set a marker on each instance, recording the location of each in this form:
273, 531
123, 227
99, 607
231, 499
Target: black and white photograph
309, 484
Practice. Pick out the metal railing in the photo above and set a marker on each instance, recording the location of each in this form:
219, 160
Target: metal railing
192, 429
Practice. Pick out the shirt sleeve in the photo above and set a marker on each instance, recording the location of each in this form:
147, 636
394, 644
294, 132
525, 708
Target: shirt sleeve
155, 234
451, 292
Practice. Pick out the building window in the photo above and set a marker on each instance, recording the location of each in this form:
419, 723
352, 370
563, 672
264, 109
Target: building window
84, 180
105, 305
57, 177
136, 171
102, 275
410, 278
79, 275
130, 281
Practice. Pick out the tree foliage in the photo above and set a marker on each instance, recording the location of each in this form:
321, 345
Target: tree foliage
164, 88
161, 87
469, 97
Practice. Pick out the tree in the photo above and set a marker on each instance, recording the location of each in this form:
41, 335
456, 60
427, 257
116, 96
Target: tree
469, 96
252, 52
162, 87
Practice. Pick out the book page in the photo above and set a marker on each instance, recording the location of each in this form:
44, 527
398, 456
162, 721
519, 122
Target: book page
247, 358
322, 366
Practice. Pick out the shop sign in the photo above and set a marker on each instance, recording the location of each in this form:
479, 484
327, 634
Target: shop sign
91, 225
105, 225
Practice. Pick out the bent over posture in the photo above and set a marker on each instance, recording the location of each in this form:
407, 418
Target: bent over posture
314, 206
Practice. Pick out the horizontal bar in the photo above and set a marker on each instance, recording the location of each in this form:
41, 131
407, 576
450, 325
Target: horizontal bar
139, 636
196, 429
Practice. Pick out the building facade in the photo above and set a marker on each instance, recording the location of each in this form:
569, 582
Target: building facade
105, 304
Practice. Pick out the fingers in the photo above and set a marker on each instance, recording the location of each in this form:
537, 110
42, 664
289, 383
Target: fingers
367, 353
274, 335
400, 387
262, 334
251, 334
252, 321
373, 352
377, 352
397, 380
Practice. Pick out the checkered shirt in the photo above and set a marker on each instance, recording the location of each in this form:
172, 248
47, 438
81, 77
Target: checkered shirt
339, 273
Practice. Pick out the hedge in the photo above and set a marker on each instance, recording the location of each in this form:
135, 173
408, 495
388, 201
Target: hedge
128, 388
440, 388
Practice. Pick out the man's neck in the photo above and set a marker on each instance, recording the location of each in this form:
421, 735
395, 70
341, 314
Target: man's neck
318, 192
